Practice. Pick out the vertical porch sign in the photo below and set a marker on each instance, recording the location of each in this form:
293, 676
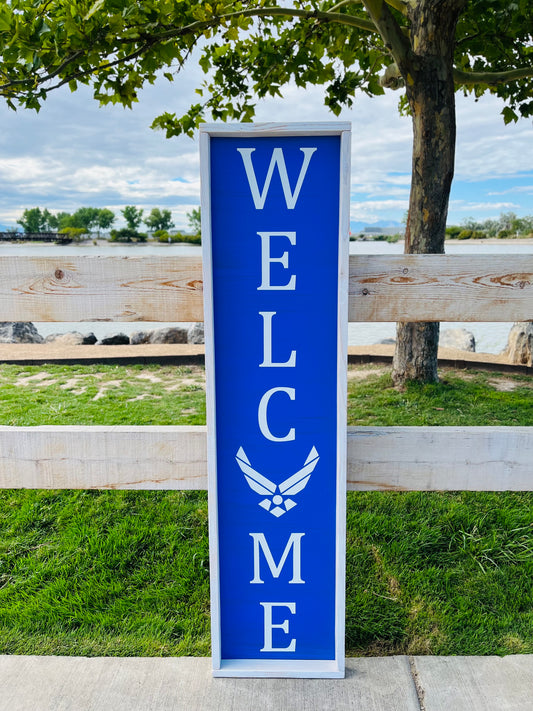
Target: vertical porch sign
275, 253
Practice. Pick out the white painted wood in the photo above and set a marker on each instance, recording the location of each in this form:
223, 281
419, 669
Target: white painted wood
277, 129
151, 457
438, 287
99, 288
434, 287
101, 457
342, 394
440, 458
209, 330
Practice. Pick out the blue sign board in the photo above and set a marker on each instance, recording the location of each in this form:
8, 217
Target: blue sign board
275, 232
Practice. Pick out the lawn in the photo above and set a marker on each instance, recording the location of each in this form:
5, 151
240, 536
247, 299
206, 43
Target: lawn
126, 573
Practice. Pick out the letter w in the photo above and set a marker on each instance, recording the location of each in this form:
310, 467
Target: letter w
279, 160
293, 542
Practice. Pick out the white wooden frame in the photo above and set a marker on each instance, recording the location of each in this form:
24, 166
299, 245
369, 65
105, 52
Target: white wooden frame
270, 667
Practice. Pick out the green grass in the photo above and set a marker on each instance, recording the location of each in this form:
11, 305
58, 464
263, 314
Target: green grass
126, 573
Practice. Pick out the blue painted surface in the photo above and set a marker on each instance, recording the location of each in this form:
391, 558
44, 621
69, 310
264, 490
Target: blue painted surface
305, 321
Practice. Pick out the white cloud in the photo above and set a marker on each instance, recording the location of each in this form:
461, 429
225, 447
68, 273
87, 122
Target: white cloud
481, 207
74, 153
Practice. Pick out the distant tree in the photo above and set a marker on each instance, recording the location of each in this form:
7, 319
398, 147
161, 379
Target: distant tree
133, 216
62, 220
194, 219
159, 220
34, 220
86, 218
105, 219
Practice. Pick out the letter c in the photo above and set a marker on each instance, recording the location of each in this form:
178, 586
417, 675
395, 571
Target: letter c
262, 415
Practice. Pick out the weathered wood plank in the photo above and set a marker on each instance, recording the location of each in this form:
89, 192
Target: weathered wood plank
382, 288
438, 287
440, 458
379, 458
99, 457
101, 288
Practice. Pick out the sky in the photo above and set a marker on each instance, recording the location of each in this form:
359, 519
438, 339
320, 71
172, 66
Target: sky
75, 153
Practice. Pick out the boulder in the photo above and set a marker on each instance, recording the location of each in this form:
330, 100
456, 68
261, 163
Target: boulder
458, 338
195, 333
19, 332
116, 339
139, 337
169, 335
89, 339
65, 339
520, 343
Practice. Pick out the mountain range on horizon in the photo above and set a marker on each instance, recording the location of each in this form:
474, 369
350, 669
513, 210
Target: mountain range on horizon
358, 226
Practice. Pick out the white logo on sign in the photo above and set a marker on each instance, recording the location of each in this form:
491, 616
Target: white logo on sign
278, 495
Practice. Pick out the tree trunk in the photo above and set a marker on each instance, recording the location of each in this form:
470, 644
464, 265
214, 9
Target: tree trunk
428, 75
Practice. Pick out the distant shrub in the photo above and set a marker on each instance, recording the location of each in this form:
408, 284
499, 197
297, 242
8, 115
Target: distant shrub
75, 233
453, 231
503, 234
190, 239
164, 236
464, 234
478, 234
393, 238
126, 234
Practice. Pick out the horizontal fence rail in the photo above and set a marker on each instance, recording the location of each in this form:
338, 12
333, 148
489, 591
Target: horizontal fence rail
382, 288
440, 287
101, 289
150, 457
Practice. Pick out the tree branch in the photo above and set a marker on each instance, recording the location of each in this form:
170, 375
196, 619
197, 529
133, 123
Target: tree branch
392, 34
195, 27
399, 5
466, 78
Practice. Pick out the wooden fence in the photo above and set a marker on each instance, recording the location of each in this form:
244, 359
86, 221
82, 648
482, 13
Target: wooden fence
382, 288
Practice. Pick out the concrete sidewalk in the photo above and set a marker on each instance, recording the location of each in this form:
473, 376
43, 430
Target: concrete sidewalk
186, 684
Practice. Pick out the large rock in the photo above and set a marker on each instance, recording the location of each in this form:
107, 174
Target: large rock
139, 337
195, 333
458, 338
89, 339
73, 338
116, 339
19, 332
172, 334
520, 343
169, 335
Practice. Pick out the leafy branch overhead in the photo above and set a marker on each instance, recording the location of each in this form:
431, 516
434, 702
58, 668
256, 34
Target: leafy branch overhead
254, 48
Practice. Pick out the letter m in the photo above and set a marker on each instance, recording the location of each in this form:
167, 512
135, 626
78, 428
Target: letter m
294, 542
277, 160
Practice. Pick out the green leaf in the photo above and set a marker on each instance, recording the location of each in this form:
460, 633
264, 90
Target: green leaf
95, 7
509, 115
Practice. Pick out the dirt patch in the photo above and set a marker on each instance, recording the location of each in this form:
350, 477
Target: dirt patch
367, 371
150, 377
145, 396
186, 383
37, 379
506, 385
105, 387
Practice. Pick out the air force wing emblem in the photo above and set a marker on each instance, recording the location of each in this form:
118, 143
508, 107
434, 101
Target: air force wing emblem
277, 500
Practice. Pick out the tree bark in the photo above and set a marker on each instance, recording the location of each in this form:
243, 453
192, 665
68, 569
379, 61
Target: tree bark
428, 75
